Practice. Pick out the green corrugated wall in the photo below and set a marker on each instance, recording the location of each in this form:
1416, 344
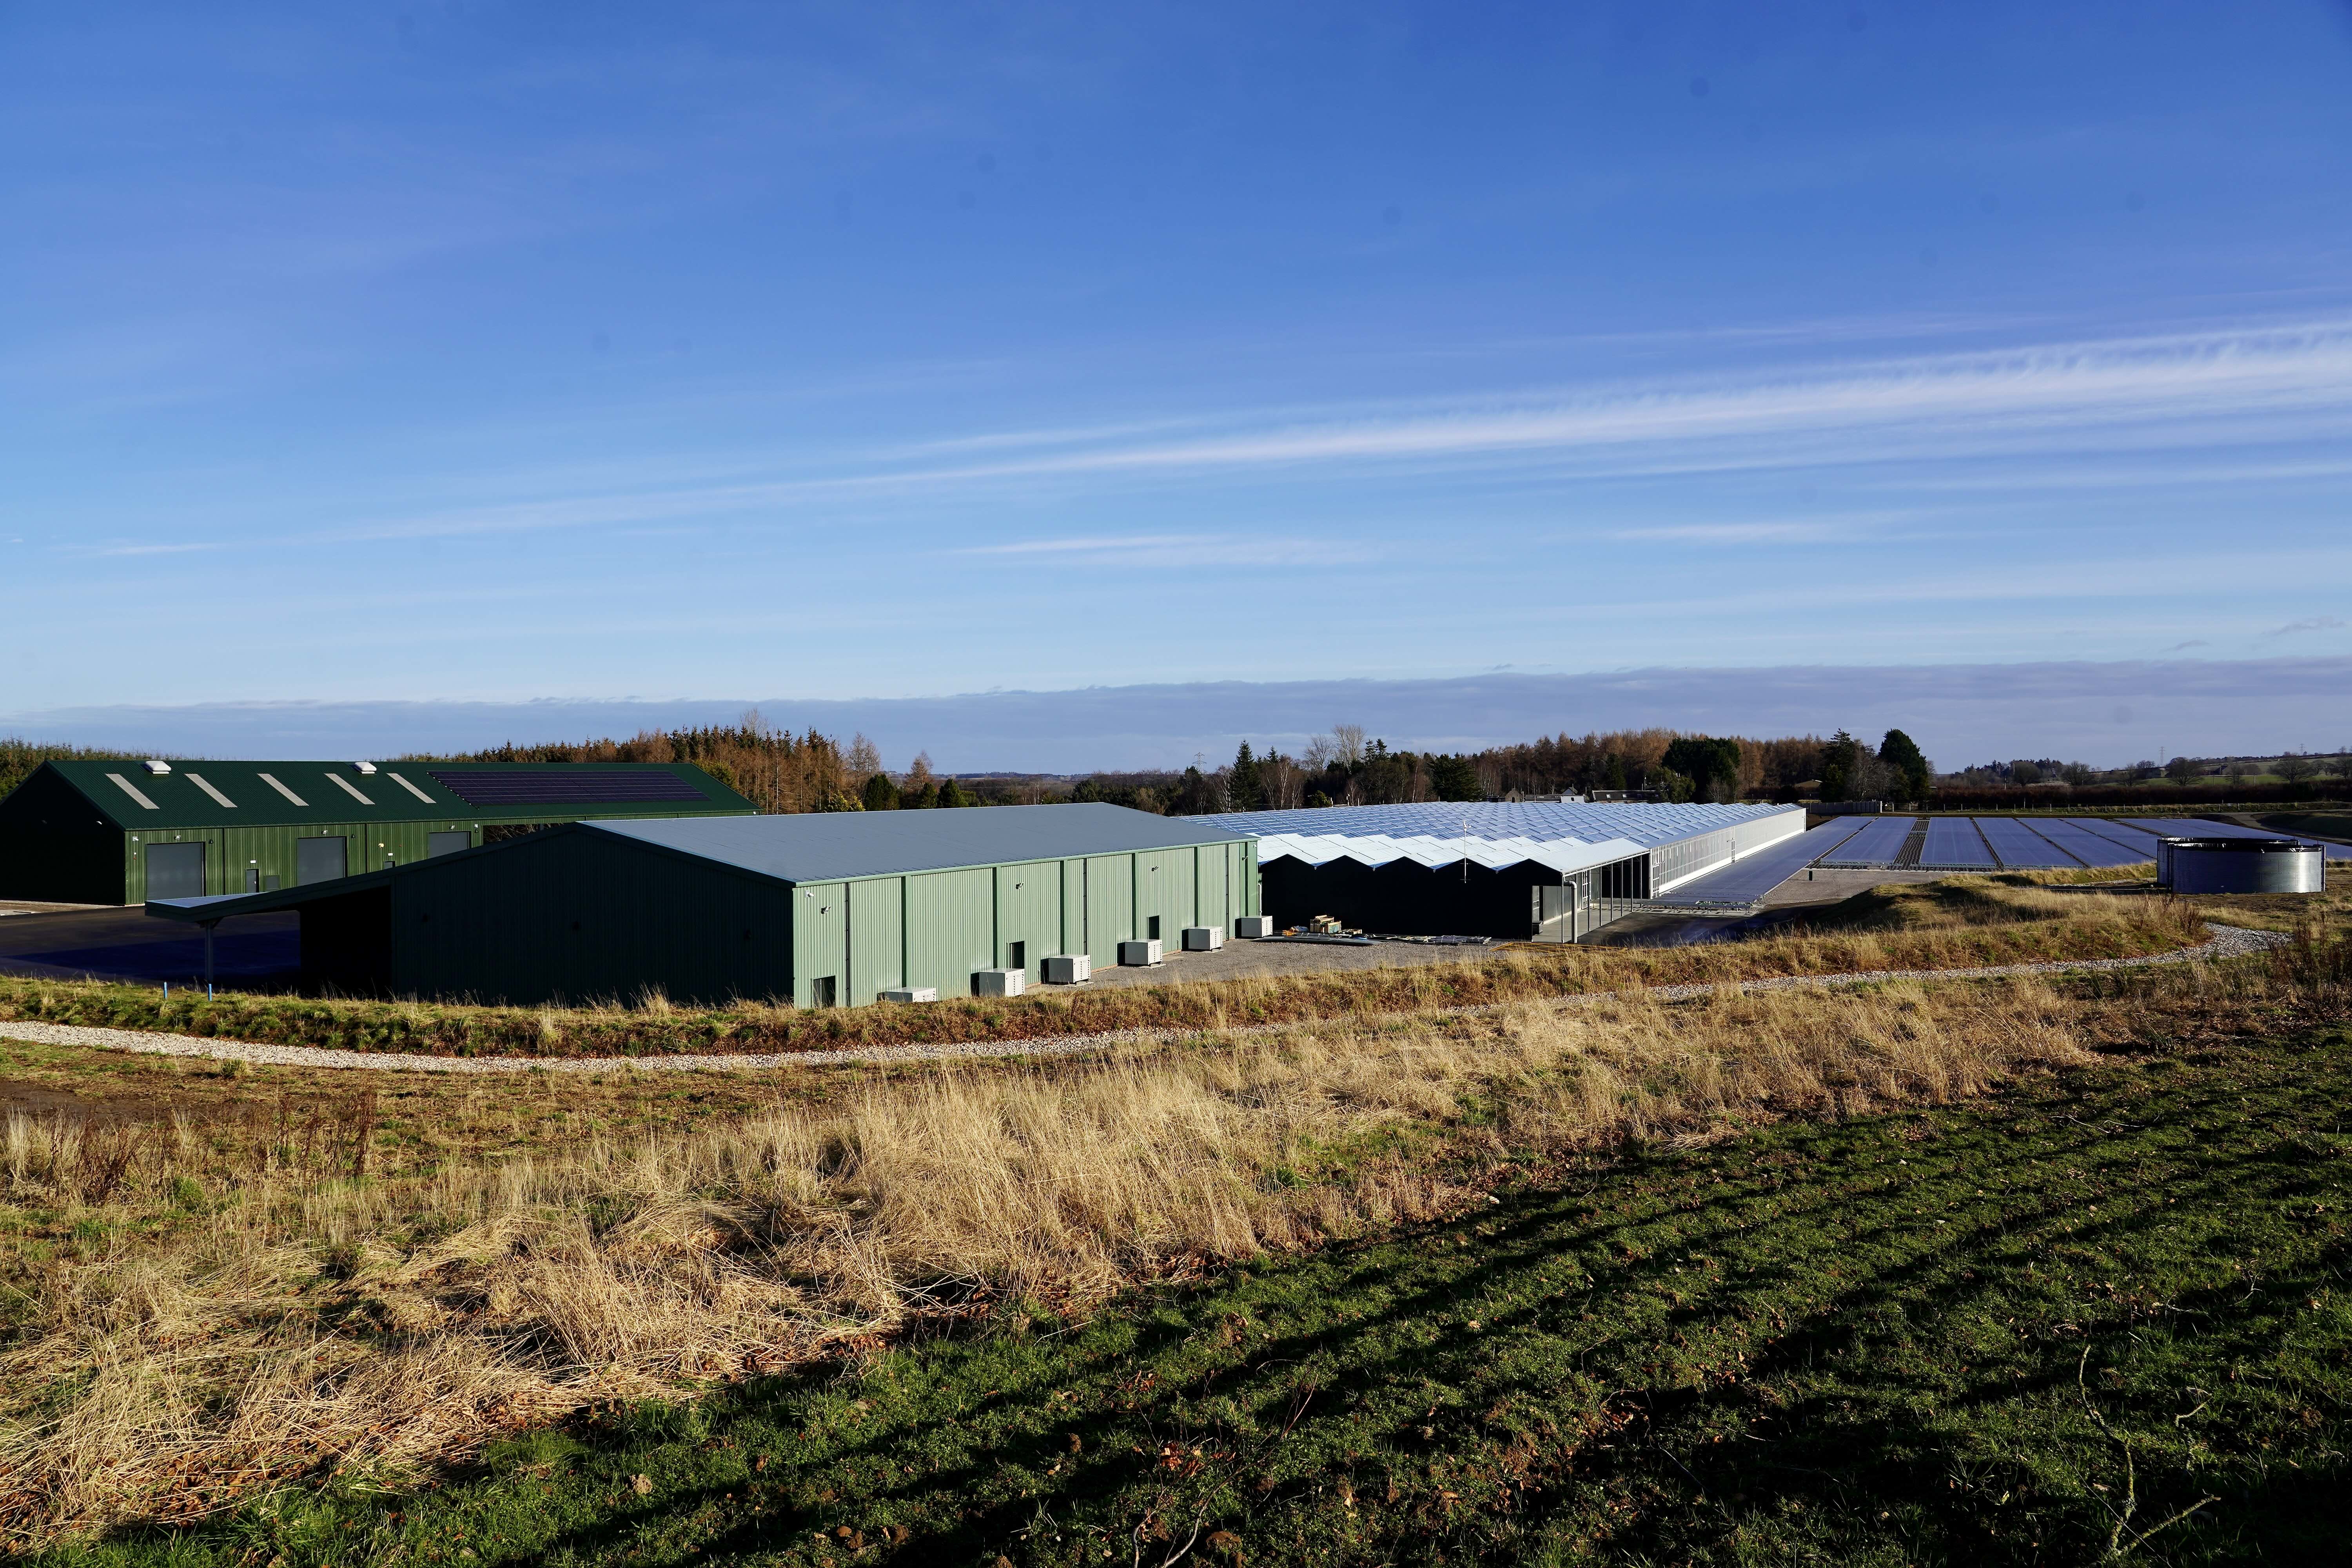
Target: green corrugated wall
588, 917
231, 852
583, 916
959, 921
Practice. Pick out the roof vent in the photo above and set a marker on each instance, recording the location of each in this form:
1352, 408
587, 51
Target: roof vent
157, 767
364, 767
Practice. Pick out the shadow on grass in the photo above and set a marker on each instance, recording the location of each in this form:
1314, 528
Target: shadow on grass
1884, 1341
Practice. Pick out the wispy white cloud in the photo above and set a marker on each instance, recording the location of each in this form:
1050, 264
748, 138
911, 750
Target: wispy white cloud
2312, 623
188, 548
2154, 397
1165, 549
1784, 532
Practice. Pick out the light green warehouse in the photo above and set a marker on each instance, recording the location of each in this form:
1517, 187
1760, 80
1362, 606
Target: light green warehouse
824, 910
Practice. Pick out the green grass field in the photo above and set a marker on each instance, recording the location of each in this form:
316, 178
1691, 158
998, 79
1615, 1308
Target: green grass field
2023, 1332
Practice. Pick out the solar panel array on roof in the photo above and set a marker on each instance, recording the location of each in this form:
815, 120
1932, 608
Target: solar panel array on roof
1880, 840
1542, 820
1745, 882
564, 786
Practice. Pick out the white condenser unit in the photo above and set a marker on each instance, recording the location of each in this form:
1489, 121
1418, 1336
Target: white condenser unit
1138, 954
1204, 939
1068, 968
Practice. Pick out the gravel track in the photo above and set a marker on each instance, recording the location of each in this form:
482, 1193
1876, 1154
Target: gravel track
2228, 942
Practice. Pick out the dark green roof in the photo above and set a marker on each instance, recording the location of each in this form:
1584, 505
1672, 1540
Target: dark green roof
245, 795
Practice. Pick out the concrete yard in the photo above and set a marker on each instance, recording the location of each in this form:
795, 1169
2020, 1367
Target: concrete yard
107, 942
1239, 959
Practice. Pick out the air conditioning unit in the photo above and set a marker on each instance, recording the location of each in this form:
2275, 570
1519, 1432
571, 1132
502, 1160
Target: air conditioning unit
1069, 968
999, 982
1204, 939
1138, 954
911, 994
1253, 927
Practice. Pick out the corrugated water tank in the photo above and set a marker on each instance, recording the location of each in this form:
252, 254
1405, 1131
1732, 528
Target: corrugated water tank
2239, 866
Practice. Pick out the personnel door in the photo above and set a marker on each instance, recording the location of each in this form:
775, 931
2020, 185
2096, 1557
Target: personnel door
822, 944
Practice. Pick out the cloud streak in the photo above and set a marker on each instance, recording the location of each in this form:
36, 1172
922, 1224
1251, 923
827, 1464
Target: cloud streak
2201, 389
2314, 624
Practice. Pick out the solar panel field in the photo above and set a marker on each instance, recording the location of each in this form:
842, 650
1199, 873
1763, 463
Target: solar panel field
1961, 844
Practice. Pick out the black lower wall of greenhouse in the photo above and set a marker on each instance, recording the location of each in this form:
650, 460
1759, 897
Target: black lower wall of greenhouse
1405, 898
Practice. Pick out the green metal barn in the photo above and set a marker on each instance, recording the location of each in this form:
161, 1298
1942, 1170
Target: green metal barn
823, 909
123, 833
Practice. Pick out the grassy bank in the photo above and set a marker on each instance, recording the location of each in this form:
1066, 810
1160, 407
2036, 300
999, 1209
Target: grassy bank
199, 1303
1966, 921
2101, 1315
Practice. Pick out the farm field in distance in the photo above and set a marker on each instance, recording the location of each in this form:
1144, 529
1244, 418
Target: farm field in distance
1913, 1272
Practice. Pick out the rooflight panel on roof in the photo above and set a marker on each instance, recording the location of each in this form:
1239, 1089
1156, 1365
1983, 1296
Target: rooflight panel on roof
564, 786
133, 790
411, 788
272, 780
204, 784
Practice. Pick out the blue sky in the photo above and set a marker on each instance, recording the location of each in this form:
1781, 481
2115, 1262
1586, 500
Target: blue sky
477, 353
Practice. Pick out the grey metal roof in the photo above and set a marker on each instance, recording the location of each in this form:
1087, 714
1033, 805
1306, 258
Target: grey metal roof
833, 845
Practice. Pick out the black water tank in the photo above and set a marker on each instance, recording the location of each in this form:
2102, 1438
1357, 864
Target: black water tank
2240, 865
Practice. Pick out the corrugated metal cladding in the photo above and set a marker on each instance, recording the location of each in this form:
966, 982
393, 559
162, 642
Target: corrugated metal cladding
698, 910
90, 832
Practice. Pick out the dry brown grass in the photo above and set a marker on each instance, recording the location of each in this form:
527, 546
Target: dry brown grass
1962, 921
201, 1314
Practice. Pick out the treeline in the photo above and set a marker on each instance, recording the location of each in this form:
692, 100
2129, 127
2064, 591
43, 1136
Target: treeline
778, 771
782, 772
1342, 768
19, 759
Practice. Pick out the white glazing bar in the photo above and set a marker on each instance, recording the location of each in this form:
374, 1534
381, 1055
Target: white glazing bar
133, 790
271, 781
219, 799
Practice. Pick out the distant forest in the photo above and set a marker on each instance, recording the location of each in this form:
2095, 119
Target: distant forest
781, 771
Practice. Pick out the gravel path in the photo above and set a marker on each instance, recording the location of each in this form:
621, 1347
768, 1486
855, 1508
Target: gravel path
2228, 942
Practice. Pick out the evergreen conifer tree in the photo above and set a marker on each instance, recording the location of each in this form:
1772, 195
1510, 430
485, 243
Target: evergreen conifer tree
1902, 753
1245, 791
